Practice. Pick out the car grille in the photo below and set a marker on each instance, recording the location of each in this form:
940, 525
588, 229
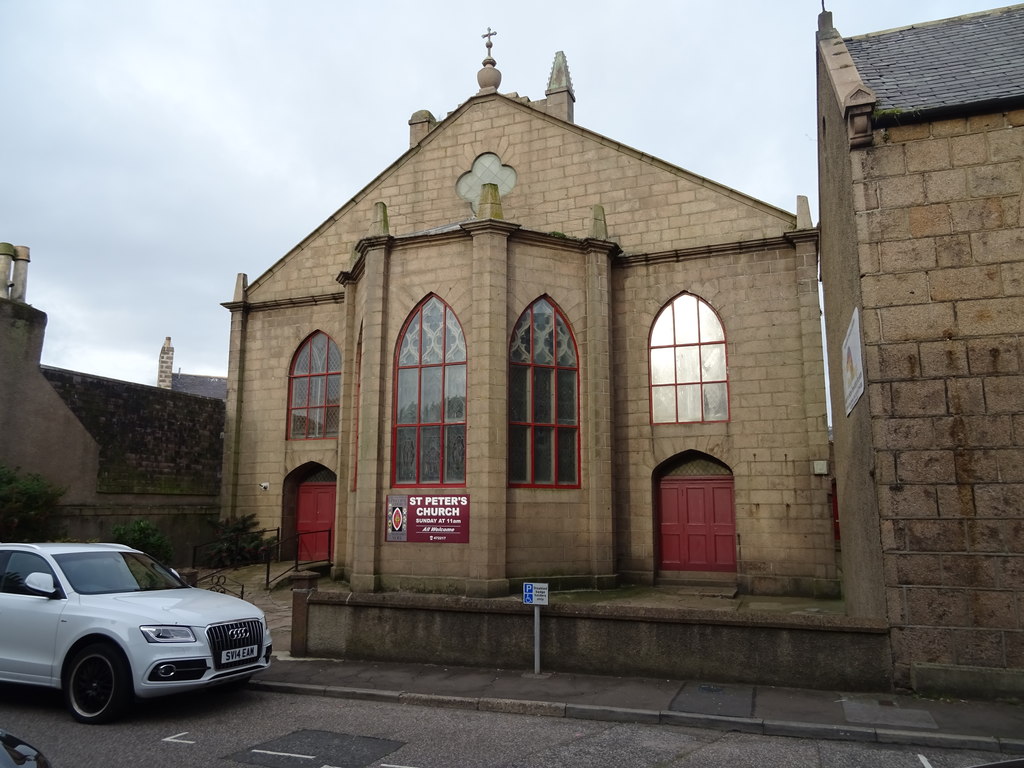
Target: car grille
237, 634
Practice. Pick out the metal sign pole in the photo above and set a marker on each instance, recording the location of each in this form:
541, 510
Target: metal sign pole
536, 639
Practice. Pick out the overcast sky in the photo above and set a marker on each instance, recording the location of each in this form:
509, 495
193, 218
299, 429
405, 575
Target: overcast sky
153, 149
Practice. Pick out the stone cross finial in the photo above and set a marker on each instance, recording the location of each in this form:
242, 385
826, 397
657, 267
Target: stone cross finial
489, 35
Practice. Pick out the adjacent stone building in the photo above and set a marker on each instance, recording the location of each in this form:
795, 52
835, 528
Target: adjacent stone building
121, 451
922, 249
527, 351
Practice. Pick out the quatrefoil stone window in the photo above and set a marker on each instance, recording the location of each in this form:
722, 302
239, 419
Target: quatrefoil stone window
487, 169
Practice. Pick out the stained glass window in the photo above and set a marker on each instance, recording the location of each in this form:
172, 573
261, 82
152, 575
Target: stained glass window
543, 397
689, 376
314, 389
430, 398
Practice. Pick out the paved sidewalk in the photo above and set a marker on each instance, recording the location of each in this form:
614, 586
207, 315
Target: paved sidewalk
881, 718
869, 717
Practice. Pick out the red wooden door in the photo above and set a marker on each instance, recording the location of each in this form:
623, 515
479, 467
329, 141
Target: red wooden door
316, 506
698, 524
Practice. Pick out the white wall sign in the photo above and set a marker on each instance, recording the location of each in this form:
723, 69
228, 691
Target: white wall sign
853, 364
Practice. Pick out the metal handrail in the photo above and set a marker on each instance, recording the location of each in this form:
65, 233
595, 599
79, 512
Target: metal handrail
298, 548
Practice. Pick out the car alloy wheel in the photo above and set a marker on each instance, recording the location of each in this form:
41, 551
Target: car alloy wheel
97, 685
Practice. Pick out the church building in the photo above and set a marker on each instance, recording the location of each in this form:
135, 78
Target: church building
526, 351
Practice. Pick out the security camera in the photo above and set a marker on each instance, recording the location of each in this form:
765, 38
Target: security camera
264, 486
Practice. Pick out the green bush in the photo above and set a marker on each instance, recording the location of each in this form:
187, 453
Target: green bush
145, 537
28, 507
238, 543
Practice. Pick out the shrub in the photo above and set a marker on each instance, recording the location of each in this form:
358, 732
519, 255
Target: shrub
145, 537
28, 507
238, 543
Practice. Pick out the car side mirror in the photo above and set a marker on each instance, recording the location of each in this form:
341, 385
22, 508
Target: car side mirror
41, 583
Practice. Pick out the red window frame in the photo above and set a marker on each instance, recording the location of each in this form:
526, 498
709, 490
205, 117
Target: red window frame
704, 342
438, 381
314, 390
541, 415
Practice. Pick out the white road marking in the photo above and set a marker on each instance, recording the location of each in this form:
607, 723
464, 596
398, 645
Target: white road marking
924, 761
177, 740
282, 754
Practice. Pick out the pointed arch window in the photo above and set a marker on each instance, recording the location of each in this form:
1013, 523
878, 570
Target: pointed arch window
689, 375
429, 445
543, 400
314, 389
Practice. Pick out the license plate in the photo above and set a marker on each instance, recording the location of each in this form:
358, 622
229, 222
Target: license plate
237, 654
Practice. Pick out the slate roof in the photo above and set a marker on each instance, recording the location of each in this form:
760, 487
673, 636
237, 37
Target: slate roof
959, 65
205, 386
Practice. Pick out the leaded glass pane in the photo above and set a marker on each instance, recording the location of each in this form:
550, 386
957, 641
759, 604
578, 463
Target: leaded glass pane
408, 395
430, 394
662, 336
687, 364
455, 453
518, 453
519, 393
315, 422
298, 424
542, 396
331, 422
567, 456
333, 357
455, 341
410, 351
316, 390
566, 347
663, 404
405, 455
302, 360
318, 354
543, 333
455, 393
716, 405
543, 454
710, 326
566, 397
688, 402
520, 349
685, 309
300, 392
663, 366
333, 390
712, 358
433, 332
430, 454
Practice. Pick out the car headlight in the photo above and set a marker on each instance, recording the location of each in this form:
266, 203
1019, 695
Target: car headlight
167, 634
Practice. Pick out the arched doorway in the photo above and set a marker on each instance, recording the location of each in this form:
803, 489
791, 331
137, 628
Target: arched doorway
315, 512
697, 516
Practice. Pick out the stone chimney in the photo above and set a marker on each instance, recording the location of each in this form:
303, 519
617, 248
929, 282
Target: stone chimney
165, 371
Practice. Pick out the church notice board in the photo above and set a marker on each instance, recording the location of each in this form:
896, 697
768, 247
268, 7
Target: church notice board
431, 519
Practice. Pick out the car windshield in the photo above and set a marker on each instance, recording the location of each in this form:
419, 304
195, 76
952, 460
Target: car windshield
98, 573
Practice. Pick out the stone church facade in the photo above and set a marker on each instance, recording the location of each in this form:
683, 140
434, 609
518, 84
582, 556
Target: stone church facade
525, 351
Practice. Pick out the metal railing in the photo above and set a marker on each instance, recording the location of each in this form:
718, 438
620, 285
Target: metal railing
302, 545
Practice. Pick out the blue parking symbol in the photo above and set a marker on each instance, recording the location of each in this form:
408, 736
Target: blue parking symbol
527, 593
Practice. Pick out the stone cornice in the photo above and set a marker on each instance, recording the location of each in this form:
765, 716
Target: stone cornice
298, 301
784, 242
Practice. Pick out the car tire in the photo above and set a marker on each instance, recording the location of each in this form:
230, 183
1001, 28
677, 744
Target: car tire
97, 684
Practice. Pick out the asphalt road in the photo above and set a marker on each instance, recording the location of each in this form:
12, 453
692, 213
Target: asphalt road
223, 728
